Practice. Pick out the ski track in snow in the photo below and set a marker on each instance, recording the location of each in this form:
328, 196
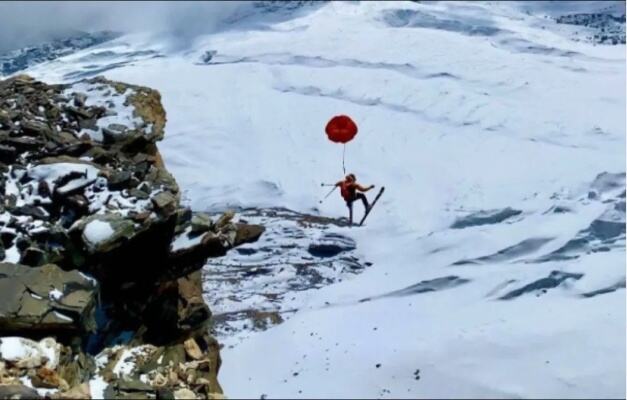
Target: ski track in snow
499, 245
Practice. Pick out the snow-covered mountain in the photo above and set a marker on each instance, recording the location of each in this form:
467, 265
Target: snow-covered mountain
494, 264
20, 59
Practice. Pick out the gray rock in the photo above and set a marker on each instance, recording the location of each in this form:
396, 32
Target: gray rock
120, 180
45, 299
30, 127
201, 222
79, 99
247, 233
165, 202
225, 219
140, 194
30, 210
114, 133
18, 392
103, 233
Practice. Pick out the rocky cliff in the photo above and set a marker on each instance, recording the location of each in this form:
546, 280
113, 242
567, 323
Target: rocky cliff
100, 289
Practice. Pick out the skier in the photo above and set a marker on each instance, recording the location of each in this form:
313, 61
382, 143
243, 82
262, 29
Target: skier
348, 190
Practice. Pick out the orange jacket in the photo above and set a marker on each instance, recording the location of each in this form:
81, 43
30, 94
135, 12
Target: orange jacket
347, 189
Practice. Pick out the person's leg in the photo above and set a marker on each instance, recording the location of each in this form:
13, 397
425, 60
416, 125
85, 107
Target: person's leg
363, 198
349, 204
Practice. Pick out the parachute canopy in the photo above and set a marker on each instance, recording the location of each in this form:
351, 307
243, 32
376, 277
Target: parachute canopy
341, 129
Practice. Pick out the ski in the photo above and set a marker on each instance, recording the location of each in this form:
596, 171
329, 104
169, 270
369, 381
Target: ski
372, 205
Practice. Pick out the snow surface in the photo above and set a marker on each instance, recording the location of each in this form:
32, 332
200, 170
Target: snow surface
55, 294
63, 316
14, 348
97, 232
51, 172
12, 254
97, 387
50, 349
462, 107
184, 241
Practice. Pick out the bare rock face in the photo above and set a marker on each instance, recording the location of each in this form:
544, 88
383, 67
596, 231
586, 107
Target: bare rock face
96, 251
46, 299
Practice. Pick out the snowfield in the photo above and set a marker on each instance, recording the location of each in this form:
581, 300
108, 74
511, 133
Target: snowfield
464, 110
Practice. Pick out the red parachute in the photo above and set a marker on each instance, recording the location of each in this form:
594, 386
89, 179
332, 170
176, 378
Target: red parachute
341, 129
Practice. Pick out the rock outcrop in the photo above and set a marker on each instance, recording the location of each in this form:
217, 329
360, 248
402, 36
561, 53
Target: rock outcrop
98, 258
46, 299
266, 280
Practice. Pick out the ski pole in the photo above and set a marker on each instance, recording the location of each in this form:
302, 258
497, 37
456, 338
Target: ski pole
328, 194
327, 184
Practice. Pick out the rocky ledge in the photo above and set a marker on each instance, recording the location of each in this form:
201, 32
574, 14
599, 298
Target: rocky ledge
261, 284
100, 285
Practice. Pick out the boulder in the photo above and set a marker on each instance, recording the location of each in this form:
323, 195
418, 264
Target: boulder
225, 219
165, 203
16, 392
201, 222
114, 133
188, 251
192, 349
79, 99
46, 299
119, 180
184, 393
103, 233
48, 379
247, 233
30, 127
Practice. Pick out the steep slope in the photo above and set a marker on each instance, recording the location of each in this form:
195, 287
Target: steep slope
465, 111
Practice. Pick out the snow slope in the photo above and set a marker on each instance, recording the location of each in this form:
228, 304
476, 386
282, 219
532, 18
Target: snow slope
462, 108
